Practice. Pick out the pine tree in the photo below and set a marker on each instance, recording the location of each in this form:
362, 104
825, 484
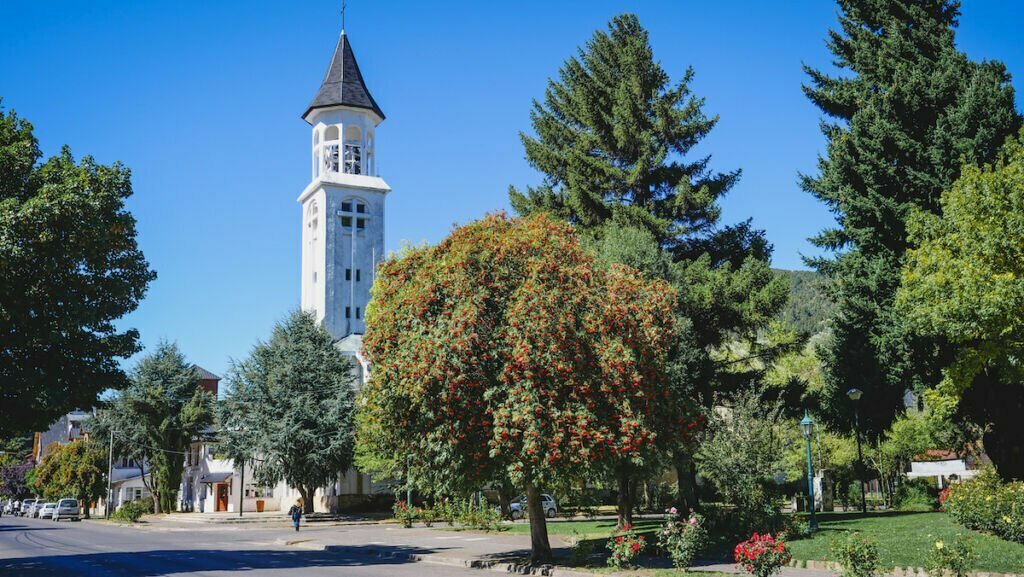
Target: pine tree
290, 408
904, 112
613, 139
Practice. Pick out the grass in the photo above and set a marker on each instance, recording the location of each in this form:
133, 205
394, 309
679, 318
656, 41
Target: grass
906, 539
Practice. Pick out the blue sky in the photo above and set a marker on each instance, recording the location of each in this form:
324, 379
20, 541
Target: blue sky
202, 101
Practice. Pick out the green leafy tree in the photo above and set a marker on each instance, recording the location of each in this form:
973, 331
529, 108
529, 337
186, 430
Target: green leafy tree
290, 408
509, 352
69, 269
613, 139
964, 284
903, 113
77, 469
157, 416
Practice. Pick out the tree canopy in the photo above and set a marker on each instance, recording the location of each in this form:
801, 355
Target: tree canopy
508, 352
965, 283
69, 268
289, 410
77, 469
614, 139
905, 109
156, 417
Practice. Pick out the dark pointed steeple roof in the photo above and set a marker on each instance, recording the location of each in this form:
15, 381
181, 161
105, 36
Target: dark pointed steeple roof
343, 85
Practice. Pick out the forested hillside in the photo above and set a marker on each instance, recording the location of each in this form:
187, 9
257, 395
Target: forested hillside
809, 307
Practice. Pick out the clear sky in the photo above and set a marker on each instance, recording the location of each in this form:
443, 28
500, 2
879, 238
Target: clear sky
202, 101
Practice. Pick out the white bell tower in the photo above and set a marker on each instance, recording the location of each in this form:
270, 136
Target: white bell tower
343, 206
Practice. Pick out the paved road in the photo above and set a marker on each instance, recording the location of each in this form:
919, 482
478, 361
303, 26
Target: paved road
32, 547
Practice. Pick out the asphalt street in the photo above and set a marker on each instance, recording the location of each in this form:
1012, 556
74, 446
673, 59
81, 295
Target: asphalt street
42, 548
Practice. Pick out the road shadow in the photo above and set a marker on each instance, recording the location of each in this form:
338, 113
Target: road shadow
6, 527
158, 563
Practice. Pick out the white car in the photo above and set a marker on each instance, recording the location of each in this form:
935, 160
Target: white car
46, 510
547, 502
66, 509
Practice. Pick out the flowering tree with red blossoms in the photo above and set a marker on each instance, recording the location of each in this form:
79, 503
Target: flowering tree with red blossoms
508, 352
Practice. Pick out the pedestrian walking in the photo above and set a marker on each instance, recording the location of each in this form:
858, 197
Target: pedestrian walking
296, 513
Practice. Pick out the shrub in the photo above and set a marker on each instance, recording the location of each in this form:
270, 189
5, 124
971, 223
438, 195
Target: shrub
482, 518
580, 548
133, 510
797, 526
447, 511
857, 554
404, 513
916, 495
954, 559
683, 540
625, 546
984, 503
762, 555
428, 516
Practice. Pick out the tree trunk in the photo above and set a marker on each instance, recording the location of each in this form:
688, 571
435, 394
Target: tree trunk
625, 500
540, 547
307, 498
686, 483
505, 500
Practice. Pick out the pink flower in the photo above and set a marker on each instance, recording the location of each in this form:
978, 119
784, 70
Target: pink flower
673, 511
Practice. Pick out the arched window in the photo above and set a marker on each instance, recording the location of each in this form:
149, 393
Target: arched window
353, 150
332, 149
354, 212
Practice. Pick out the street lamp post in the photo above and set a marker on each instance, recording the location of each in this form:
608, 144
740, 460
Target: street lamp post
808, 428
855, 395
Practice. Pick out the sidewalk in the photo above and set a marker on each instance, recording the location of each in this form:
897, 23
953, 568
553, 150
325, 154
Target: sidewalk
495, 551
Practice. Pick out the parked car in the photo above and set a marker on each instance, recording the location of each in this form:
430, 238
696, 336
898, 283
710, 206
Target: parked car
518, 506
45, 511
66, 509
28, 507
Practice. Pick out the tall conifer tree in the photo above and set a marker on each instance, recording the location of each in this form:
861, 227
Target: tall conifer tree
613, 140
904, 112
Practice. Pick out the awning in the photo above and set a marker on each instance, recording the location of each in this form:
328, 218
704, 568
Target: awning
215, 477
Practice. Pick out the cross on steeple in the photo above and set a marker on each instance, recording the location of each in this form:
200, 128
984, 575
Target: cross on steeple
343, 6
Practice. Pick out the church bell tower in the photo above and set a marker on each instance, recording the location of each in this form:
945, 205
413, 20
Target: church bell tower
343, 205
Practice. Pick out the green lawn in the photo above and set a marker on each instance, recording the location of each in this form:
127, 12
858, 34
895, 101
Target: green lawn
906, 539
585, 528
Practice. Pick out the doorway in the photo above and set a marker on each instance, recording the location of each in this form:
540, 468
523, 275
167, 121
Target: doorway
222, 496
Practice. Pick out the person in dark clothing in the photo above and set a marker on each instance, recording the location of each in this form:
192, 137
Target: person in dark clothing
296, 514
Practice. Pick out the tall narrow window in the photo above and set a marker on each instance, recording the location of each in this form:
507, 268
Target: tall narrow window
348, 312
353, 159
348, 274
357, 312
357, 275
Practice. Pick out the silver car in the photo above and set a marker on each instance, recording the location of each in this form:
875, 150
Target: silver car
548, 503
66, 509
46, 510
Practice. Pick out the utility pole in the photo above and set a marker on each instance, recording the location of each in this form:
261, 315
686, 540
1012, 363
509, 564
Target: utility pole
110, 472
241, 489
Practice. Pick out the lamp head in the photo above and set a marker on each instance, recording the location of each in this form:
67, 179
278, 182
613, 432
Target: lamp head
807, 425
854, 394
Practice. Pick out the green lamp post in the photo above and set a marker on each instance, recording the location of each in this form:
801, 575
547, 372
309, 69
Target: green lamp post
855, 395
808, 427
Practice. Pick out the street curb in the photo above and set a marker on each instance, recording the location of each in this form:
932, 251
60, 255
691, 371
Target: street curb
484, 564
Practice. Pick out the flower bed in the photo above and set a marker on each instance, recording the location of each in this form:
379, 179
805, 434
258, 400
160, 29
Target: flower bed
985, 503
